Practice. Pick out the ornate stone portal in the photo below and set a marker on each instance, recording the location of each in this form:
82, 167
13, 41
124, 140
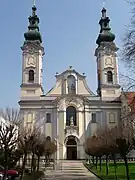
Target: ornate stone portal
71, 129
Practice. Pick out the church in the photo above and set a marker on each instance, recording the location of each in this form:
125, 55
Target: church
70, 111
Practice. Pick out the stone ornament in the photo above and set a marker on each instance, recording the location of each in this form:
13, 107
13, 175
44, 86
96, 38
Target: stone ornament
31, 61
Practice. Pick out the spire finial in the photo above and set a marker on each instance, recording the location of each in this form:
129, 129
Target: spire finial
34, 2
33, 33
105, 31
103, 4
103, 10
34, 8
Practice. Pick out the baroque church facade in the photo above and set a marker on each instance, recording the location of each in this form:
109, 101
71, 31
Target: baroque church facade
70, 111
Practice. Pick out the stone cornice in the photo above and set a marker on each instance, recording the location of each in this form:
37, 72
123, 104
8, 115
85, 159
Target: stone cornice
110, 86
68, 96
35, 85
50, 105
31, 47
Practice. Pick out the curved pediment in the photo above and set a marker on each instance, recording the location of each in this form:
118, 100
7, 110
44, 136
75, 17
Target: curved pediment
70, 82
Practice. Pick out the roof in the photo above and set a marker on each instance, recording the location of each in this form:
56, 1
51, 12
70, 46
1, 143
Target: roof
131, 100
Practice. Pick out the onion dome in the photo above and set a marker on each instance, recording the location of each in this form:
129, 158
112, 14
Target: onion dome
105, 32
33, 33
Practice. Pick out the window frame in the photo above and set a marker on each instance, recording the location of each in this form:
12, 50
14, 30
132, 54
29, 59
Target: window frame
109, 116
31, 75
109, 77
48, 120
95, 118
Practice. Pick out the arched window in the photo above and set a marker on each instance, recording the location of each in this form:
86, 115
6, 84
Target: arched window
71, 116
109, 77
71, 81
31, 75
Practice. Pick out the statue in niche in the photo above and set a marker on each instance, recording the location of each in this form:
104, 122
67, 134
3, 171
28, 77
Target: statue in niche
73, 88
71, 121
71, 84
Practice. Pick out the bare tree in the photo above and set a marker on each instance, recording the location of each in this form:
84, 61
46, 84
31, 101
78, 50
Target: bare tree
40, 149
124, 142
93, 147
128, 52
9, 133
32, 141
50, 148
128, 110
12, 115
28, 143
111, 142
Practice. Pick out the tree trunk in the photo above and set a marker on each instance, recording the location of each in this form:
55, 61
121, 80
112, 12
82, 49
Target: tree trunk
38, 163
127, 169
115, 165
32, 162
96, 162
107, 164
5, 165
100, 159
89, 160
45, 161
93, 160
23, 165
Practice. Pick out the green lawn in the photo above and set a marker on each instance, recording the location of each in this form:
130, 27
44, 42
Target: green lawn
121, 172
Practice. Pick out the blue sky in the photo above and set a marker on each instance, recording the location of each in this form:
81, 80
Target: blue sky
69, 30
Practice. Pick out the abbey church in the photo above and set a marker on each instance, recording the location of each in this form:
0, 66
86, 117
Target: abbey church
70, 111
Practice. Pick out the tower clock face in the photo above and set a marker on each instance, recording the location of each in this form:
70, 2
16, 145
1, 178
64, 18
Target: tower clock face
31, 61
108, 61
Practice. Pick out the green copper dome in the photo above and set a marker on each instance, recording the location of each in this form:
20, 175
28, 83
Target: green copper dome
33, 33
105, 32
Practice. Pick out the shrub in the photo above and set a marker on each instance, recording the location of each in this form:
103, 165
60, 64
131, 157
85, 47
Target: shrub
34, 176
27, 171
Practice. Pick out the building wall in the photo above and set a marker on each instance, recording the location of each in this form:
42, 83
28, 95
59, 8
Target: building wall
56, 129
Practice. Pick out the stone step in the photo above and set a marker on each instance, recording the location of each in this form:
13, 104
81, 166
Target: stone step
70, 171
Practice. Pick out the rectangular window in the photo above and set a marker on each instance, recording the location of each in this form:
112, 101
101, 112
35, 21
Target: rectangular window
111, 117
29, 121
48, 118
93, 118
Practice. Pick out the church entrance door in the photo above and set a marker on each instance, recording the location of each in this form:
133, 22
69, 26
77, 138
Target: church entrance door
71, 149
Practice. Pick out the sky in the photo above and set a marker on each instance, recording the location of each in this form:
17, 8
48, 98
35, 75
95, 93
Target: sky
69, 30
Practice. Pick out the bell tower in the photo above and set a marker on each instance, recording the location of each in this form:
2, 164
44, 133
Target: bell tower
32, 57
107, 66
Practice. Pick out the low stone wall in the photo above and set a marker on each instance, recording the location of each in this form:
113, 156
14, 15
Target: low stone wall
87, 166
131, 159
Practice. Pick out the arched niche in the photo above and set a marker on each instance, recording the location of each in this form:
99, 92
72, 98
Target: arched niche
71, 116
71, 84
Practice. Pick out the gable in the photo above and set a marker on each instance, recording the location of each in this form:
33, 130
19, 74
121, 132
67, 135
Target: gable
70, 82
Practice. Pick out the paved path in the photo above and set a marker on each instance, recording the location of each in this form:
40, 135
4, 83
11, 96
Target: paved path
70, 170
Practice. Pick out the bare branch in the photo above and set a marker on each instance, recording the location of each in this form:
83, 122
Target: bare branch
12, 115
